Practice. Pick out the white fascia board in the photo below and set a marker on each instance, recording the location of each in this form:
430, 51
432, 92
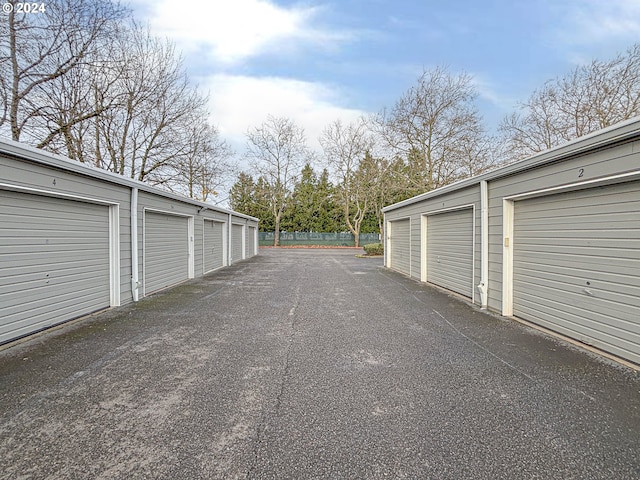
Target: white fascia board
27, 152
622, 131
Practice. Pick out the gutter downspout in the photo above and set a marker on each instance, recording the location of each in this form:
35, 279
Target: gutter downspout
229, 246
134, 244
483, 287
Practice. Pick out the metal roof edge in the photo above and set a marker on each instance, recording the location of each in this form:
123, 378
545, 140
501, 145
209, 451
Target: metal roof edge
30, 153
601, 138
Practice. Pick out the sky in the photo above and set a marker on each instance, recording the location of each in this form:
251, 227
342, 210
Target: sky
316, 61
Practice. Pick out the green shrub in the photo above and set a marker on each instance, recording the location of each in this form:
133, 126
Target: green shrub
374, 249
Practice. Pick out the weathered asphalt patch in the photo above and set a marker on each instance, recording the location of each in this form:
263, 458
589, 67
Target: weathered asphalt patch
311, 364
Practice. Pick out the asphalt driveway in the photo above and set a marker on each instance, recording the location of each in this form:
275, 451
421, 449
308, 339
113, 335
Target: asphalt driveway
303, 364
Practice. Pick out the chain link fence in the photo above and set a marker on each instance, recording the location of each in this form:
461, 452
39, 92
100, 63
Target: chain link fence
341, 239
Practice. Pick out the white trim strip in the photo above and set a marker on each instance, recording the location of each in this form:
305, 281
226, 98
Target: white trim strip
483, 287
507, 257
51, 193
114, 255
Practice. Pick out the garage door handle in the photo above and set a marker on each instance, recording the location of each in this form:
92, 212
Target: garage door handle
588, 292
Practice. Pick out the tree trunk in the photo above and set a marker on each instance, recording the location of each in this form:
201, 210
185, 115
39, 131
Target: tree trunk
276, 235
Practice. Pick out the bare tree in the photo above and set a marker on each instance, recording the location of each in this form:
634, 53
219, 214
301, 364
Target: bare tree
73, 103
277, 150
146, 125
79, 81
345, 147
203, 171
589, 98
37, 49
437, 124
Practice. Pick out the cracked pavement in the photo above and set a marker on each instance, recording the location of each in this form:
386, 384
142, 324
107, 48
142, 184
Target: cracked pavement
303, 364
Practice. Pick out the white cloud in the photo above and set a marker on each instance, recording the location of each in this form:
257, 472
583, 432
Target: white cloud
239, 102
595, 21
232, 30
489, 91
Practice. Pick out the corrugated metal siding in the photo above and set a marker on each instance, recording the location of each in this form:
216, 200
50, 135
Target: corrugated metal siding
251, 242
166, 249
54, 255
577, 265
236, 243
450, 250
213, 245
399, 245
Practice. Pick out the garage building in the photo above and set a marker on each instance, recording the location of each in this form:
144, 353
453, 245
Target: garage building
553, 239
75, 240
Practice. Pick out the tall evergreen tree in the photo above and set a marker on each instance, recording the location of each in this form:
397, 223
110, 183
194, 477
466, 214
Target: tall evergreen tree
301, 206
251, 198
241, 195
330, 218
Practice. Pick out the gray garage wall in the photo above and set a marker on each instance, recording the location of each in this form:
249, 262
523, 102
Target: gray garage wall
447, 201
603, 163
598, 164
37, 175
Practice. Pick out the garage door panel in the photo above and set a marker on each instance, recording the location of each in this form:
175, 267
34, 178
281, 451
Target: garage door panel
612, 342
35, 254
554, 313
400, 245
16, 236
578, 199
554, 309
543, 233
577, 265
50, 221
166, 250
237, 232
570, 214
43, 313
54, 254
213, 245
250, 241
624, 250
619, 264
446, 280
26, 261
15, 279
449, 250
612, 282
576, 300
